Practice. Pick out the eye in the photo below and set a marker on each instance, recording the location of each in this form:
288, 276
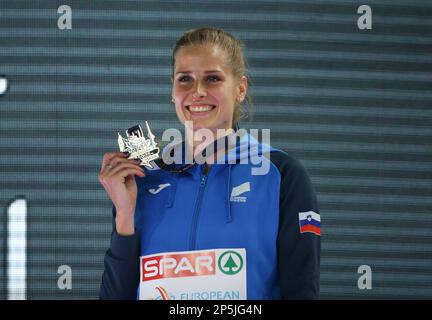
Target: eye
182, 78
213, 78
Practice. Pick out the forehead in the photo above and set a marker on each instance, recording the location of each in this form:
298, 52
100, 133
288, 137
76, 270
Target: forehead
201, 58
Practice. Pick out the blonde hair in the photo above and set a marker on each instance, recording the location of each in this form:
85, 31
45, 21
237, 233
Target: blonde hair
233, 49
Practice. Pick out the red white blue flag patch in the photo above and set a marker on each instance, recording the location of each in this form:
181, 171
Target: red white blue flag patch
310, 222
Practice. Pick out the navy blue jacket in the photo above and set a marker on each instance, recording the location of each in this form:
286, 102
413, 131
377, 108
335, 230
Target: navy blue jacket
196, 210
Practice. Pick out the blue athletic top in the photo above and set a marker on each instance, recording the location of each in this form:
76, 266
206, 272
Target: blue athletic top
227, 206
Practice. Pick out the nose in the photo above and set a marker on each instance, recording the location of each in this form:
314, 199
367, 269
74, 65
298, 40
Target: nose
199, 91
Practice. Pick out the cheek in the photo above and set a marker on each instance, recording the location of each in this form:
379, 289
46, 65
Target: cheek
180, 113
223, 98
228, 103
178, 96
178, 109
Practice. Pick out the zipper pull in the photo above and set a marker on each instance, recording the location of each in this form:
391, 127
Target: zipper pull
206, 169
204, 175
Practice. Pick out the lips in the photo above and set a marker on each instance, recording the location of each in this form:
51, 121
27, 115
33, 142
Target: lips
200, 108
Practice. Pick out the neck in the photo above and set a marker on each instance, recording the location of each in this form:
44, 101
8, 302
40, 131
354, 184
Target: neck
208, 141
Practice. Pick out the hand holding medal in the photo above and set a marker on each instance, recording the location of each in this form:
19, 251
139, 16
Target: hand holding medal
118, 172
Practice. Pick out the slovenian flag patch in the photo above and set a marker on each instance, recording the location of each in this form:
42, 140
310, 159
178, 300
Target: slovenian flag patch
310, 222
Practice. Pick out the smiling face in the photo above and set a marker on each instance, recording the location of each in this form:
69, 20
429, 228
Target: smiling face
204, 89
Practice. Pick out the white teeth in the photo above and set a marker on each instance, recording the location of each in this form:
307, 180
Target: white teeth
200, 108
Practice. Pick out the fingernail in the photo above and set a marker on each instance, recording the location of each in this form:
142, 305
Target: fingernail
126, 153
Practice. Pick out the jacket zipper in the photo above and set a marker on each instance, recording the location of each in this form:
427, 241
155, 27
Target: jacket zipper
204, 176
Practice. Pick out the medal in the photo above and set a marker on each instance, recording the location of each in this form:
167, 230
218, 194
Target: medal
139, 147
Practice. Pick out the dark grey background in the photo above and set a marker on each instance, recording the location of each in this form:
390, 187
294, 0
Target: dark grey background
355, 106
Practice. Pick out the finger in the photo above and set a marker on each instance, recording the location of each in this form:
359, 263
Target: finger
117, 160
112, 169
114, 165
122, 166
108, 157
123, 174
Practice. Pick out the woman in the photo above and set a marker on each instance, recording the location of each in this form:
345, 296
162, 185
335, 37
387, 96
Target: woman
214, 231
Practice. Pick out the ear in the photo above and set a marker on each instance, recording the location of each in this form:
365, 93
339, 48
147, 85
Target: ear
242, 89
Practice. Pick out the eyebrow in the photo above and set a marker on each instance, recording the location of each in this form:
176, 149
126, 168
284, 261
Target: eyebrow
208, 71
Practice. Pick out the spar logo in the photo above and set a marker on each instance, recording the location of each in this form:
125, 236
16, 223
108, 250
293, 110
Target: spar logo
177, 265
230, 262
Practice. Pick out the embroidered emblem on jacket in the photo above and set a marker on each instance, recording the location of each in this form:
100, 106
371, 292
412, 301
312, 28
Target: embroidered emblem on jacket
237, 191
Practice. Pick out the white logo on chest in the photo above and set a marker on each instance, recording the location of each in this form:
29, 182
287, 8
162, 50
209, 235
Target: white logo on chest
160, 188
237, 191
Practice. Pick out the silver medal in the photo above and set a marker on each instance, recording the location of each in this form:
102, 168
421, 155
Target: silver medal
138, 146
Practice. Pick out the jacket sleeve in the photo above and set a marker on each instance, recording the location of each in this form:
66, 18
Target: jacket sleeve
120, 278
298, 253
